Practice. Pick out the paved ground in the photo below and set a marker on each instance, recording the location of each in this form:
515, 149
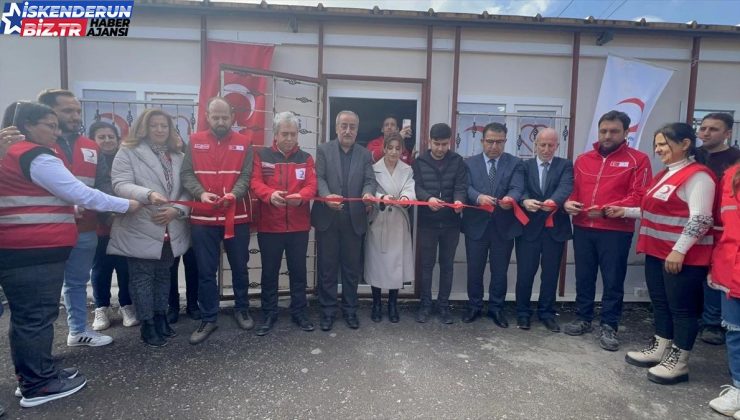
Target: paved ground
406, 370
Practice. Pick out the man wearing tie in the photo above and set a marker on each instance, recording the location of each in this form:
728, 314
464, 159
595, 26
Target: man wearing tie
496, 178
548, 183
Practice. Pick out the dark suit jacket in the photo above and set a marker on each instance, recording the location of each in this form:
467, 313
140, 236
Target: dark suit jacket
559, 185
509, 182
329, 175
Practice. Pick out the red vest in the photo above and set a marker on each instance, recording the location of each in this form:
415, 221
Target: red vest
85, 155
664, 216
725, 259
217, 165
30, 216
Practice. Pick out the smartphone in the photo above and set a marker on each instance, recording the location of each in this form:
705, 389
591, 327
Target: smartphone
406, 123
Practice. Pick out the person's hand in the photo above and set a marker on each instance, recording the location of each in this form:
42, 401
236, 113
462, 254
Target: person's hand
8, 137
573, 207
435, 204
157, 198
674, 262
406, 132
294, 199
367, 199
133, 206
506, 203
458, 209
548, 205
278, 198
532, 205
486, 200
208, 198
335, 205
164, 215
614, 212
78, 212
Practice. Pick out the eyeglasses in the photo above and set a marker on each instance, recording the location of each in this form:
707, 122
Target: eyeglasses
496, 142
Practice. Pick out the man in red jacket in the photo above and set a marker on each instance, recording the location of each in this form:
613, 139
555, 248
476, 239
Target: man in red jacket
390, 126
284, 180
217, 171
613, 174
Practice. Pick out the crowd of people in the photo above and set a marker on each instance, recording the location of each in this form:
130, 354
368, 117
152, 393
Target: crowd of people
75, 208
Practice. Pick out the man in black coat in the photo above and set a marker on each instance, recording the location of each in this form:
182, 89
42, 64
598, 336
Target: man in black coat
549, 183
440, 177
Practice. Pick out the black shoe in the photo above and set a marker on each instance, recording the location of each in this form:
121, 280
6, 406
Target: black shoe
393, 311
499, 318
162, 326
444, 316
712, 334
423, 314
266, 326
326, 323
193, 313
57, 388
352, 321
470, 315
523, 323
150, 336
173, 315
376, 313
303, 322
551, 324
577, 327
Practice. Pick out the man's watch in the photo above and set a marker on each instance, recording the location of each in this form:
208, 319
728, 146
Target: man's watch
180, 212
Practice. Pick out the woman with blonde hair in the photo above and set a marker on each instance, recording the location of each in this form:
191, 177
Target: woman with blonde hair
147, 169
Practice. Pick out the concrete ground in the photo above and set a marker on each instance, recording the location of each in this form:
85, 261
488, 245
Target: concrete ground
384, 370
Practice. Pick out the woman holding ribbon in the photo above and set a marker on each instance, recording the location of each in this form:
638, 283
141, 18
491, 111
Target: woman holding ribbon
389, 258
147, 169
675, 215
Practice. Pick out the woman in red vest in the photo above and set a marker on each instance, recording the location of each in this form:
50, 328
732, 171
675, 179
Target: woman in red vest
37, 233
726, 277
675, 215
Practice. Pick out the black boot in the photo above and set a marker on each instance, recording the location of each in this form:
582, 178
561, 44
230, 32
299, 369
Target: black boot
393, 305
173, 314
163, 326
377, 312
150, 336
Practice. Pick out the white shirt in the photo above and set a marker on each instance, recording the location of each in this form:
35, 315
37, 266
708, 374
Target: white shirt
49, 173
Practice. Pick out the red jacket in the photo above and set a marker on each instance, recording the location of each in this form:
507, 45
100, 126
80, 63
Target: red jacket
217, 165
30, 216
85, 155
664, 216
293, 173
726, 256
376, 145
619, 179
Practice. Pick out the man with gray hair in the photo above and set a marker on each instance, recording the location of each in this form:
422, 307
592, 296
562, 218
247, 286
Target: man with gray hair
344, 170
284, 180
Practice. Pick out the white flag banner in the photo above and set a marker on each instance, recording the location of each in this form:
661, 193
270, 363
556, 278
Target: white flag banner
631, 87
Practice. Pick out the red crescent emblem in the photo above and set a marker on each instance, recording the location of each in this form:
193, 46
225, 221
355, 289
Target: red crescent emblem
640, 104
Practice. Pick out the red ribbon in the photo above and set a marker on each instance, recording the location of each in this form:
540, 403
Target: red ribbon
518, 212
225, 206
403, 203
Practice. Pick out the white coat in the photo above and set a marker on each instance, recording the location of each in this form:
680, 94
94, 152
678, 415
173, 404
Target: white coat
389, 258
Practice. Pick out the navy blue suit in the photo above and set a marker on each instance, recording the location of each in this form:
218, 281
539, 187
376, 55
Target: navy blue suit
540, 245
491, 235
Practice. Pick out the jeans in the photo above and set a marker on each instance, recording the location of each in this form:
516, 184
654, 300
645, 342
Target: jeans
430, 238
102, 275
207, 247
272, 246
33, 297
495, 250
731, 321
712, 313
676, 300
191, 281
605, 250
338, 247
150, 283
76, 276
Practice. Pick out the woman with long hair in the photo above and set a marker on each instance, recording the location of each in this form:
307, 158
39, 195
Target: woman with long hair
675, 215
147, 168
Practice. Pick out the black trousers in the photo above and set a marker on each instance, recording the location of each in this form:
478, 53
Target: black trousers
543, 252
339, 246
272, 246
33, 296
677, 300
446, 239
496, 250
191, 281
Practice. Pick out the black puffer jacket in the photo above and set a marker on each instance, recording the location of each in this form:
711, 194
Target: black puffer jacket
447, 181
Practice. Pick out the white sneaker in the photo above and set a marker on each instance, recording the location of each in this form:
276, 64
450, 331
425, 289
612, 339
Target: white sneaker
88, 338
128, 313
101, 321
728, 402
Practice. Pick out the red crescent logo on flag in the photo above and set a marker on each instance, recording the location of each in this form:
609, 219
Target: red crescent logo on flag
634, 116
117, 120
243, 102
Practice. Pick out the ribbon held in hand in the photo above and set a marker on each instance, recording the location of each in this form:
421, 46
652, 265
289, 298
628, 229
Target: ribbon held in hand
225, 205
397, 202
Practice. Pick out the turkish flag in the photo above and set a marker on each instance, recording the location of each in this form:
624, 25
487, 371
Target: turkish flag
245, 93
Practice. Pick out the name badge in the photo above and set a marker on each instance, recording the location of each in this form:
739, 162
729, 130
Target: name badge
300, 173
664, 192
236, 147
205, 146
90, 155
620, 164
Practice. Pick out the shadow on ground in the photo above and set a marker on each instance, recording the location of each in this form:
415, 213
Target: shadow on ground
404, 370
